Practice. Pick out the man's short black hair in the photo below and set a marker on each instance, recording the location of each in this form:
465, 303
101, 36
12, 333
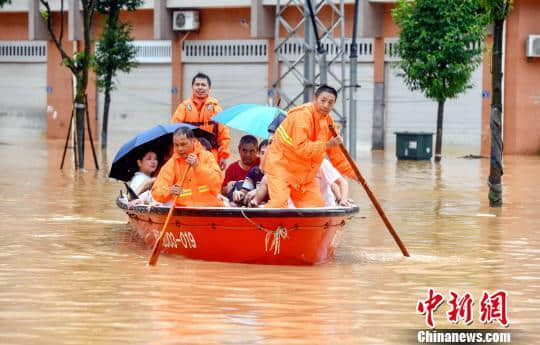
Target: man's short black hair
201, 75
326, 88
188, 132
264, 143
248, 139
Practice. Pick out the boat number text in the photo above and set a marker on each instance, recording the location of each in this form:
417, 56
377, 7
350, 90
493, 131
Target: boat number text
185, 239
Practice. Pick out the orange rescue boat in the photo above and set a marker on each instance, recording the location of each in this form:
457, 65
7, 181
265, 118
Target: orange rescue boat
301, 236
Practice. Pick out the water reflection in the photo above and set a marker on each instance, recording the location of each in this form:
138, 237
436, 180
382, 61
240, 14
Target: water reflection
71, 273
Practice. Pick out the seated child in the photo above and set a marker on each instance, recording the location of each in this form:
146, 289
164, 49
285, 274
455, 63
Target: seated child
259, 196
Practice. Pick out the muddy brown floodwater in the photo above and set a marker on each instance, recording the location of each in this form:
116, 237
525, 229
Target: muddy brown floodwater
71, 273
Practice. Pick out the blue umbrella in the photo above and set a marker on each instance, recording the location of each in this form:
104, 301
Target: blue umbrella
250, 118
157, 139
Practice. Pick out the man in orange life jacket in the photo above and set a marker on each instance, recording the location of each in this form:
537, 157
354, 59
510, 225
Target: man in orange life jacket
301, 142
202, 183
198, 110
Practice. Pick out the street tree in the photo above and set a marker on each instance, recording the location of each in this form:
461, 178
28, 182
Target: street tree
439, 46
79, 63
115, 52
497, 11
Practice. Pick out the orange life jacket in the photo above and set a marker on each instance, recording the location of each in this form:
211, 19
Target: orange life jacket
187, 112
201, 185
299, 147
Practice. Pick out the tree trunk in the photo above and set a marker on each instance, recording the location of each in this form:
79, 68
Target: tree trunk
82, 83
80, 109
496, 167
80, 112
112, 22
104, 128
438, 140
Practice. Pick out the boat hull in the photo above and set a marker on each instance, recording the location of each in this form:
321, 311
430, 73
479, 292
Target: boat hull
262, 236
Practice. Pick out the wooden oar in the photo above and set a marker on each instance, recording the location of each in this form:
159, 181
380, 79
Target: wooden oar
371, 196
157, 246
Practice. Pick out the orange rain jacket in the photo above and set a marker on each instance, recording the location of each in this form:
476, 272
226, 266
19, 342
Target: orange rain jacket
187, 113
295, 156
201, 185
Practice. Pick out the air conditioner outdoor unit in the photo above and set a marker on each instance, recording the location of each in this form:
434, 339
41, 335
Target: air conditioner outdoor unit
185, 20
533, 46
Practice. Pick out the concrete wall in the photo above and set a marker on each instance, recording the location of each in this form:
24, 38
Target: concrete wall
522, 98
13, 26
23, 95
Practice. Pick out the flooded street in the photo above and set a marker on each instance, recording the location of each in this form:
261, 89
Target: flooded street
71, 272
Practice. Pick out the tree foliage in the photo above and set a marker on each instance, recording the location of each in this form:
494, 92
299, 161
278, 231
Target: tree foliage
108, 6
79, 63
114, 51
439, 45
497, 9
4, 2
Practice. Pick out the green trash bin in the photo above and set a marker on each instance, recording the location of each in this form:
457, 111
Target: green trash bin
414, 145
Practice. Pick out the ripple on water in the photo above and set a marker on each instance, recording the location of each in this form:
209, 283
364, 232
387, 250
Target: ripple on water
71, 273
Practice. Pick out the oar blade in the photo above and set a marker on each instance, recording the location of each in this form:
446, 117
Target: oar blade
155, 253
157, 246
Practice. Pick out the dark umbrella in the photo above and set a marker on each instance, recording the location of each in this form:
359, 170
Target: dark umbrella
157, 139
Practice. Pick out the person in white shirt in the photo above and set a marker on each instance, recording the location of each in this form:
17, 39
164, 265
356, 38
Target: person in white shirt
143, 180
141, 183
334, 188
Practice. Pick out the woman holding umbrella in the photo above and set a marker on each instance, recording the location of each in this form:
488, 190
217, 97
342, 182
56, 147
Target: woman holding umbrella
157, 140
143, 180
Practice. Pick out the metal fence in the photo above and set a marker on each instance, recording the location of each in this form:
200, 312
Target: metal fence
23, 51
224, 51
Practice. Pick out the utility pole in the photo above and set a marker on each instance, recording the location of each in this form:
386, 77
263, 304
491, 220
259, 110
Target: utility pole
298, 70
353, 64
309, 62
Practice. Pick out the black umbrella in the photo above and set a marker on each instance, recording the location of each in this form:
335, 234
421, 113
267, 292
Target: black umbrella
157, 139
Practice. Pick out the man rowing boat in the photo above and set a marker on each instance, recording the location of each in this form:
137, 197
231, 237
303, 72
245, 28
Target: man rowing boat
301, 142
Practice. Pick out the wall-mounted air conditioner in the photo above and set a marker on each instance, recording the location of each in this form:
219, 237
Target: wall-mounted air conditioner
185, 20
533, 46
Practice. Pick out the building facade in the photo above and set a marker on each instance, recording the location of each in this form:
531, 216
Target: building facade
234, 44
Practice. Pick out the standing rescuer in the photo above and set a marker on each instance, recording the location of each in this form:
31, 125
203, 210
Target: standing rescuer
198, 110
298, 148
203, 180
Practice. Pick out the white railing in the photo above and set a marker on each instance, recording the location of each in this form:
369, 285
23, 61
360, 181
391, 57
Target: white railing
390, 51
292, 50
153, 51
225, 51
391, 54
23, 51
